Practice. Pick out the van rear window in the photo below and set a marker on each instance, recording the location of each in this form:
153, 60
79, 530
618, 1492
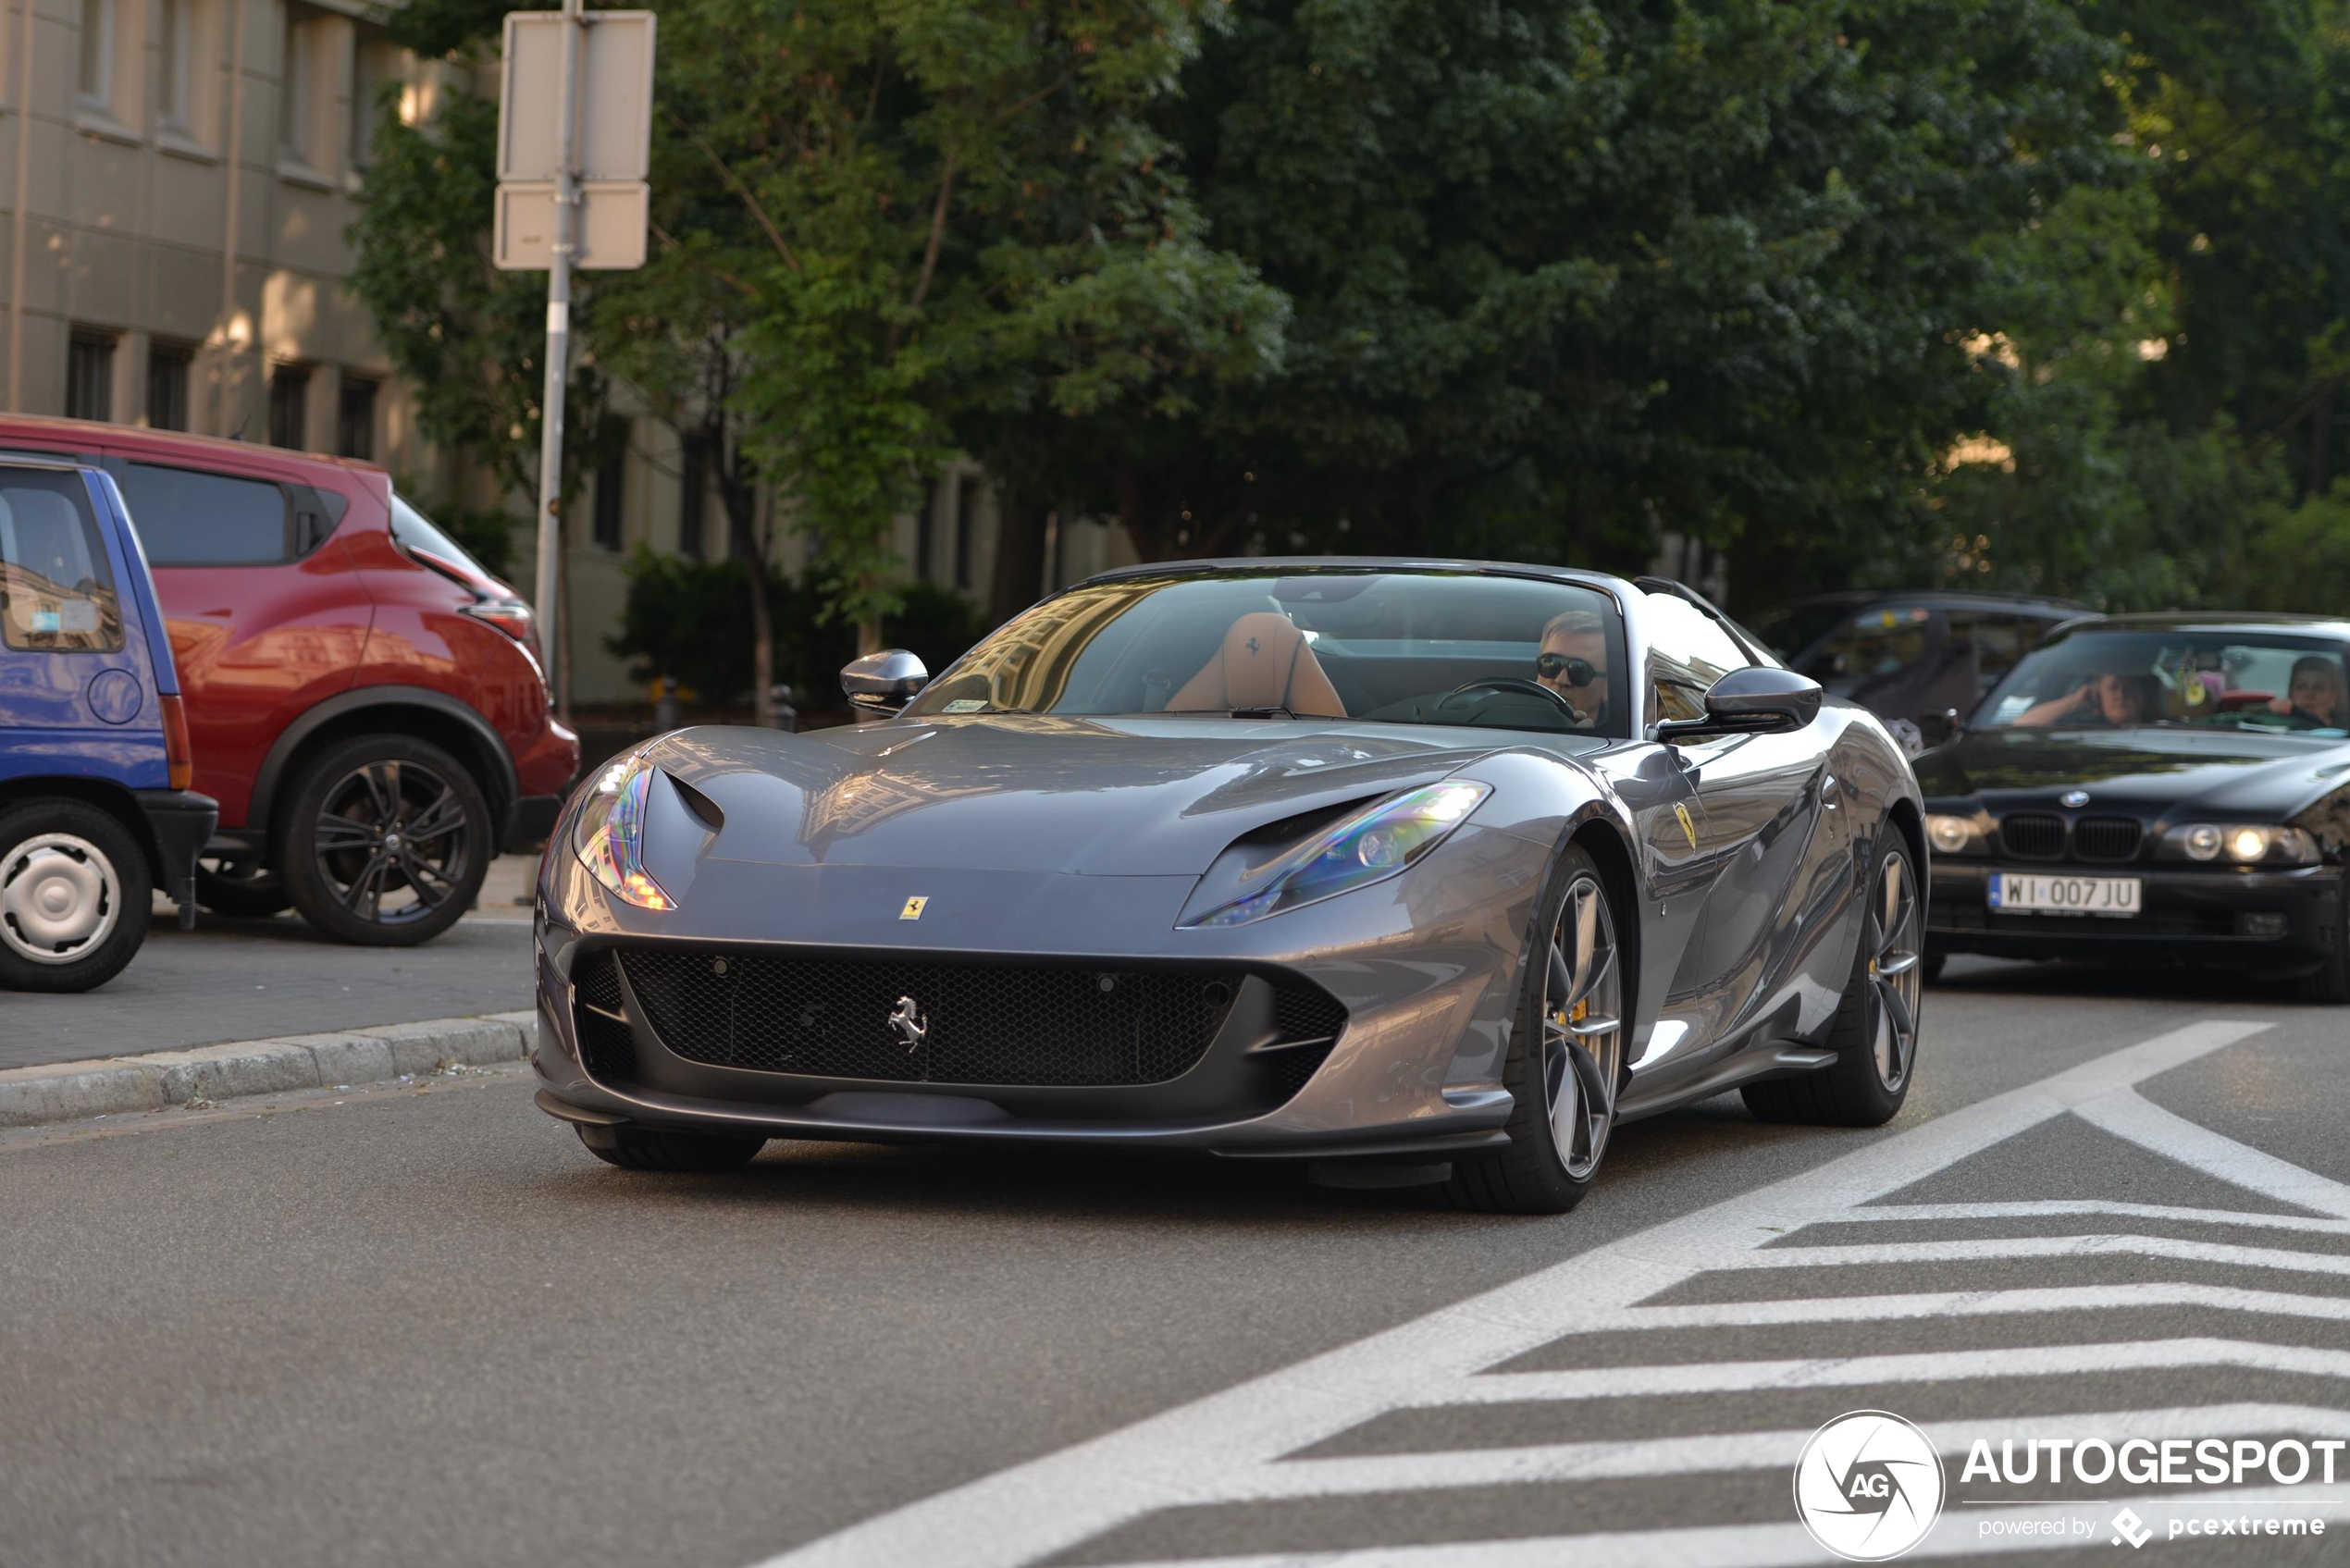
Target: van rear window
56, 589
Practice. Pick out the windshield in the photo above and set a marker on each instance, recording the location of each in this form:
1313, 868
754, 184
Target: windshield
2208, 680
1790, 628
1403, 648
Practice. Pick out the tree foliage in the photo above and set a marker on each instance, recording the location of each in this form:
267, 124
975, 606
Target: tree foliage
2023, 293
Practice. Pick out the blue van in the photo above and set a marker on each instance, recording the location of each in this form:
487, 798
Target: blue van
95, 812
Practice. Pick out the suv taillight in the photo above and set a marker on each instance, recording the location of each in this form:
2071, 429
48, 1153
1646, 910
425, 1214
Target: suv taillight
178, 755
511, 616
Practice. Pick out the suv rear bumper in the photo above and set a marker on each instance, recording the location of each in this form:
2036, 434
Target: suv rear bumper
180, 821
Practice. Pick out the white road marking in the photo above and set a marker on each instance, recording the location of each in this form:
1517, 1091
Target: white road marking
2023, 1361
1747, 1546
1214, 1446
1356, 1476
2065, 1208
1980, 1303
2131, 1115
1991, 1249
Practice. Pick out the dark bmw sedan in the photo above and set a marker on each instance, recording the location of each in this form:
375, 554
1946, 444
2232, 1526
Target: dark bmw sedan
2167, 788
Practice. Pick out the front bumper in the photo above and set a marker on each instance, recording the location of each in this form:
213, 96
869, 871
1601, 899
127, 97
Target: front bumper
1425, 970
2204, 915
181, 820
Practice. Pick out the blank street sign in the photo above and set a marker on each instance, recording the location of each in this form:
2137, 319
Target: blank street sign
615, 96
611, 225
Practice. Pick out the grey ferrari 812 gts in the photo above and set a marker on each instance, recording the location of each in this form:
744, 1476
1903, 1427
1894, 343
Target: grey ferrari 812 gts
1427, 869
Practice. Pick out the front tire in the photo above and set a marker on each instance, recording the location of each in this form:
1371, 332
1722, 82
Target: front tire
1566, 1064
646, 1148
385, 842
1874, 1033
74, 892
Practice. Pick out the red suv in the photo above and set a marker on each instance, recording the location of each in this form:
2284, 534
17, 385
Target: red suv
365, 702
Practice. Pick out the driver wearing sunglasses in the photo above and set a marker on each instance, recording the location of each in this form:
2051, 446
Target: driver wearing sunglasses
1572, 663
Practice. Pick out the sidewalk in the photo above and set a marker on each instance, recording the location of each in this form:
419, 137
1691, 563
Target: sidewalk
250, 980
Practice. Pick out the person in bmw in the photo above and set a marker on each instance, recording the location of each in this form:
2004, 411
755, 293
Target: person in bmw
1441, 866
2166, 789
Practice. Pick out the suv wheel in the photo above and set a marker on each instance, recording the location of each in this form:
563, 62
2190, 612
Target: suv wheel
74, 891
241, 889
385, 841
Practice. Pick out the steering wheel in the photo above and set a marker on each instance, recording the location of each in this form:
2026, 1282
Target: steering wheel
1520, 685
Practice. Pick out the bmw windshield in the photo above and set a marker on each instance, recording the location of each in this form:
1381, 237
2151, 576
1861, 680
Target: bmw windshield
2130, 678
1403, 648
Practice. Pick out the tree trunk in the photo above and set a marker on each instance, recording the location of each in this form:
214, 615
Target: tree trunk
742, 504
1019, 556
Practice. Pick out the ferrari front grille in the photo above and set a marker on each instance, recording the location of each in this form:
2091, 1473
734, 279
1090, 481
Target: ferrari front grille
2033, 836
946, 1022
2106, 838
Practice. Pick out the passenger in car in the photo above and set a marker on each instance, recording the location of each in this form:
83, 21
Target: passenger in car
2317, 696
2108, 701
1572, 661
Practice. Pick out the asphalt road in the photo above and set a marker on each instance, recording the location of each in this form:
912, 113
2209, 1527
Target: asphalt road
427, 1327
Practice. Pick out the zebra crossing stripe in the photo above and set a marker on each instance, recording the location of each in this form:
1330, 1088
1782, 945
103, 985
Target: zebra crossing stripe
1642, 1458
1212, 1446
1728, 1546
2023, 1361
1782, 1257
2068, 1208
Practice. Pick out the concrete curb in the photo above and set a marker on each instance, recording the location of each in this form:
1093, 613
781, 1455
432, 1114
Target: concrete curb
112, 1085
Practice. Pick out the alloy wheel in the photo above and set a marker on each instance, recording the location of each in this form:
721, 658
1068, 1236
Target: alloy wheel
1895, 972
394, 842
59, 897
1582, 1027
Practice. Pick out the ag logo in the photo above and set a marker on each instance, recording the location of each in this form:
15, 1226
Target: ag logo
1868, 1485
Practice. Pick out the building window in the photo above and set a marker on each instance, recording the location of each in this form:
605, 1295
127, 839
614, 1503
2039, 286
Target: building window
373, 61
89, 376
288, 390
168, 386
294, 83
694, 497
355, 419
175, 48
612, 482
966, 498
926, 527
97, 51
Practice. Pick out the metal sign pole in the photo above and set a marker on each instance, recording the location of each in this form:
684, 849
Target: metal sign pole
550, 430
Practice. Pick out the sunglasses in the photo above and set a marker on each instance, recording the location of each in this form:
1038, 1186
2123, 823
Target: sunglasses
1579, 672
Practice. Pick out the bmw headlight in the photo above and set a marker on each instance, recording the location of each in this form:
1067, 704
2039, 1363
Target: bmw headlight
2242, 843
1953, 835
1372, 845
609, 836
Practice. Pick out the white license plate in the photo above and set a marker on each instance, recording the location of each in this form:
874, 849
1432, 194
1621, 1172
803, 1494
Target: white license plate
2019, 892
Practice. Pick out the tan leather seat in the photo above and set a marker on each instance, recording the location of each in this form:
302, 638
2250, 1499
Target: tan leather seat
1265, 662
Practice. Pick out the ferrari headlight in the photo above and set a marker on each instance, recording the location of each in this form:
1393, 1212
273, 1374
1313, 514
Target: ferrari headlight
1953, 835
609, 836
1372, 845
2244, 843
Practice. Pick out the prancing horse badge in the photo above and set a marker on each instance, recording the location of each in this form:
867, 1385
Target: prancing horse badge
1688, 828
913, 909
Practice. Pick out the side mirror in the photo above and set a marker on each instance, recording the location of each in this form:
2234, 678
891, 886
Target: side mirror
884, 682
1940, 729
1753, 702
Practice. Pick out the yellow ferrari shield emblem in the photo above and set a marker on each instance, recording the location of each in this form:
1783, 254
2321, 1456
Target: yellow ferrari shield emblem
913, 909
1688, 828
